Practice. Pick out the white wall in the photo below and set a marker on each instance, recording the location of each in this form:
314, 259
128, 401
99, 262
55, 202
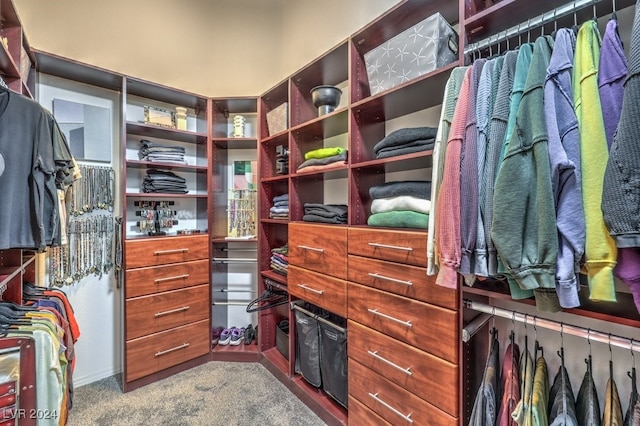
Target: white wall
96, 302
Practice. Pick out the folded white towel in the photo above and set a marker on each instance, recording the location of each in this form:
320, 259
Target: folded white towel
402, 202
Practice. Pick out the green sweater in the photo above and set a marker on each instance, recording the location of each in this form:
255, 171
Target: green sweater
600, 248
523, 199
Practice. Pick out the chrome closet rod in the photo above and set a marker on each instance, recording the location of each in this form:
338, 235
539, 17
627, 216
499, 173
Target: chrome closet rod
233, 260
592, 335
238, 249
474, 326
230, 290
232, 303
549, 16
296, 307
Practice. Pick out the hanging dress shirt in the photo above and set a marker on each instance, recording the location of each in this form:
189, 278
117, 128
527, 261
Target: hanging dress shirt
451, 92
510, 385
587, 403
612, 415
564, 156
522, 410
600, 249
539, 395
484, 410
562, 407
633, 399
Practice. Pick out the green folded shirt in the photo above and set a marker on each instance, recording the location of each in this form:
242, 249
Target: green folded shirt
399, 219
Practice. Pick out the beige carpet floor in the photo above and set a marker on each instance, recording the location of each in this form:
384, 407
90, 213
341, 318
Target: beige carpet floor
216, 393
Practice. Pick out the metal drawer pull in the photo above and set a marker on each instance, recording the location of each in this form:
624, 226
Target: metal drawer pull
391, 247
172, 311
310, 289
182, 250
395, 280
177, 348
177, 277
319, 250
375, 312
407, 417
406, 371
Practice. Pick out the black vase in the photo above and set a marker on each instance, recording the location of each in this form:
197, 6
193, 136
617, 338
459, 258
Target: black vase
325, 98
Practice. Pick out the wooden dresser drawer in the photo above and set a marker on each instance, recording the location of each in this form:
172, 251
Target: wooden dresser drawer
154, 279
326, 292
150, 354
163, 250
425, 375
428, 327
162, 311
321, 248
405, 280
408, 247
392, 402
361, 415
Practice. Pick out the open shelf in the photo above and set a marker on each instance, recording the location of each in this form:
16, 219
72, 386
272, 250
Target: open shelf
156, 165
411, 161
162, 195
282, 279
233, 240
149, 130
235, 143
240, 353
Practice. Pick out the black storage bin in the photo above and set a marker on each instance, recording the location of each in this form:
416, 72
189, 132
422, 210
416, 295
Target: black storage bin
333, 362
308, 348
282, 338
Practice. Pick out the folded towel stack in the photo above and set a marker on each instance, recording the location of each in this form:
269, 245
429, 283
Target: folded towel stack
325, 213
402, 204
164, 181
319, 164
280, 209
280, 259
406, 141
154, 152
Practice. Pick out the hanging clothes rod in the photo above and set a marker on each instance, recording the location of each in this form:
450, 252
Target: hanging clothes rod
233, 260
474, 326
538, 21
231, 290
234, 303
592, 335
297, 307
238, 249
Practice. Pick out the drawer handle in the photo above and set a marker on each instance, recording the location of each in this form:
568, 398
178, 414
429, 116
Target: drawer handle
182, 250
172, 311
177, 277
375, 312
306, 287
319, 250
406, 371
177, 348
391, 247
395, 280
407, 417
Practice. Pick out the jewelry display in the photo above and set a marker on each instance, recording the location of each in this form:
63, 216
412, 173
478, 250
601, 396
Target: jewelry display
89, 251
155, 216
94, 191
242, 213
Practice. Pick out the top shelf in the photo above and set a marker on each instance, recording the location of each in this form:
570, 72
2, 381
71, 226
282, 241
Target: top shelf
49, 63
145, 89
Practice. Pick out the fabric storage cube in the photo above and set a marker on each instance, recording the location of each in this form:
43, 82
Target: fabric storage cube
333, 362
308, 348
428, 45
282, 338
277, 119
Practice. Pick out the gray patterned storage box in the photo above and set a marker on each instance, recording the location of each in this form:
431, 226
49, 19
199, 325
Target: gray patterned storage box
428, 45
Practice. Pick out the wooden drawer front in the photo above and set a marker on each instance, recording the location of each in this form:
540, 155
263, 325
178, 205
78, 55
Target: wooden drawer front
405, 280
154, 279
321, 290
154, 353
361, 415
150, 314
321, 248
408, 247
427, 376
392, 402
160, 251
428, 327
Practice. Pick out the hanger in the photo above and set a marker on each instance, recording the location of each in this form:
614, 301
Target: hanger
610, 374
575, 27
561, 351
595, 13
529, 30
267, 300
537, 346
632, 373
614, 15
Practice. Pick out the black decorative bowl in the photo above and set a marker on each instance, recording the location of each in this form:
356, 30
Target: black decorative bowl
325, 98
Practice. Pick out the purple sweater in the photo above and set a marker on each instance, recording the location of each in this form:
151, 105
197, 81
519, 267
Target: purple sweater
611, 75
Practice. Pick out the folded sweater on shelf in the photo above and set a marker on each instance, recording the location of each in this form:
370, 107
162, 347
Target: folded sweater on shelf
402, 202
414, 188
399, 219
326, 210
309, 217
342, 156
283, 197
404, 136
411, 147
326, 167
